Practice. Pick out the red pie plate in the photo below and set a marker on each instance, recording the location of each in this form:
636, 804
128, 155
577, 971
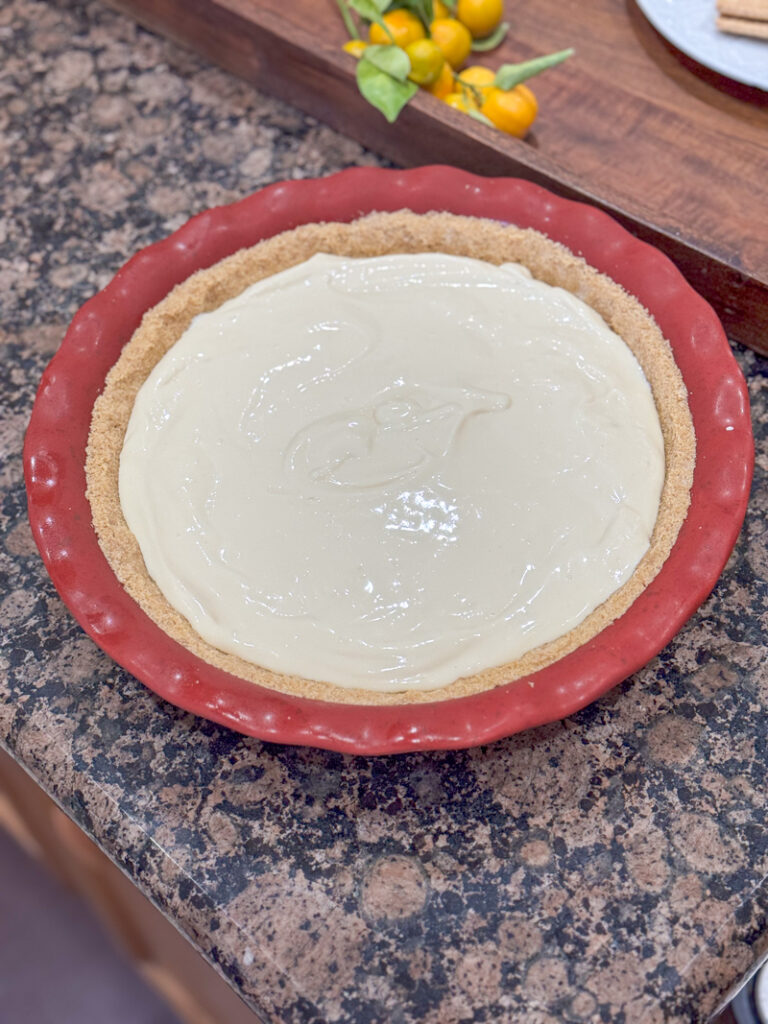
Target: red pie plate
54, 457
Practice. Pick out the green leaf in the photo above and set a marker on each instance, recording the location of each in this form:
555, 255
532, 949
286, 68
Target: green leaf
492, 41
421, 8
371, 10
510, 75
392, 60
387, 94
478, 116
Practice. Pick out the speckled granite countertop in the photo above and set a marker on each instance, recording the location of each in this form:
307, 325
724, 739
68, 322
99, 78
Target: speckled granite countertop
610, 867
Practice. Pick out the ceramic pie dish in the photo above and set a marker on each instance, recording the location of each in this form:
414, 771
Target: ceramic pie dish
61, 520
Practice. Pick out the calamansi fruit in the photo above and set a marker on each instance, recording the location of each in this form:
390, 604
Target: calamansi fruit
355, 46
480, 16
427, 61
453, 38
444, 84
404, 25
511, 110
460, 101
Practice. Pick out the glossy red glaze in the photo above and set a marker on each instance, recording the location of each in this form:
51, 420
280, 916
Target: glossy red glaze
61, 520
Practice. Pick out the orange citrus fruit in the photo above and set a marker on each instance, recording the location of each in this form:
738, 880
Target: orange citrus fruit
453, 38
444, 84
427, 61
460, 101
480, 16
355, 47
511, 110
404, 25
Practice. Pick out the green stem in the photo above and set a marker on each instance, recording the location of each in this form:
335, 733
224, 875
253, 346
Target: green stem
346, 17
510, 75
473, 90
492, 41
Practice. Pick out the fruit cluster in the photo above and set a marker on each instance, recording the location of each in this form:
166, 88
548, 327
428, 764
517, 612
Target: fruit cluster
426, 44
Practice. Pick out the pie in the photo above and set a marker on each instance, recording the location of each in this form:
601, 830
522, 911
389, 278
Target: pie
400, 460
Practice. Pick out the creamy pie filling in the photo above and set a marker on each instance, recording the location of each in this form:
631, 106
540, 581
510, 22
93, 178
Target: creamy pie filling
388, 473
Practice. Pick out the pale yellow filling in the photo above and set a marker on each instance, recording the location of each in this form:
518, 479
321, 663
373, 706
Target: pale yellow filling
389, 473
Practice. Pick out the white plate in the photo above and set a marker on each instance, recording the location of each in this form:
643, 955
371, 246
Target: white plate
690, 26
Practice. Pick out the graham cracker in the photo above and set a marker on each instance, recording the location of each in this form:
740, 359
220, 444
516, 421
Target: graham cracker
743, 27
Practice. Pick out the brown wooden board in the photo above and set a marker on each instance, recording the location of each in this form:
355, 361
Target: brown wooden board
677, 154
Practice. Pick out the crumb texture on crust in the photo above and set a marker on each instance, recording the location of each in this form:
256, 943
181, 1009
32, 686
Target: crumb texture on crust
378, 234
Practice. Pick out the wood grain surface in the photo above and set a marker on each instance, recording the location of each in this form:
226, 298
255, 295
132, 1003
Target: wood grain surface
676, 153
